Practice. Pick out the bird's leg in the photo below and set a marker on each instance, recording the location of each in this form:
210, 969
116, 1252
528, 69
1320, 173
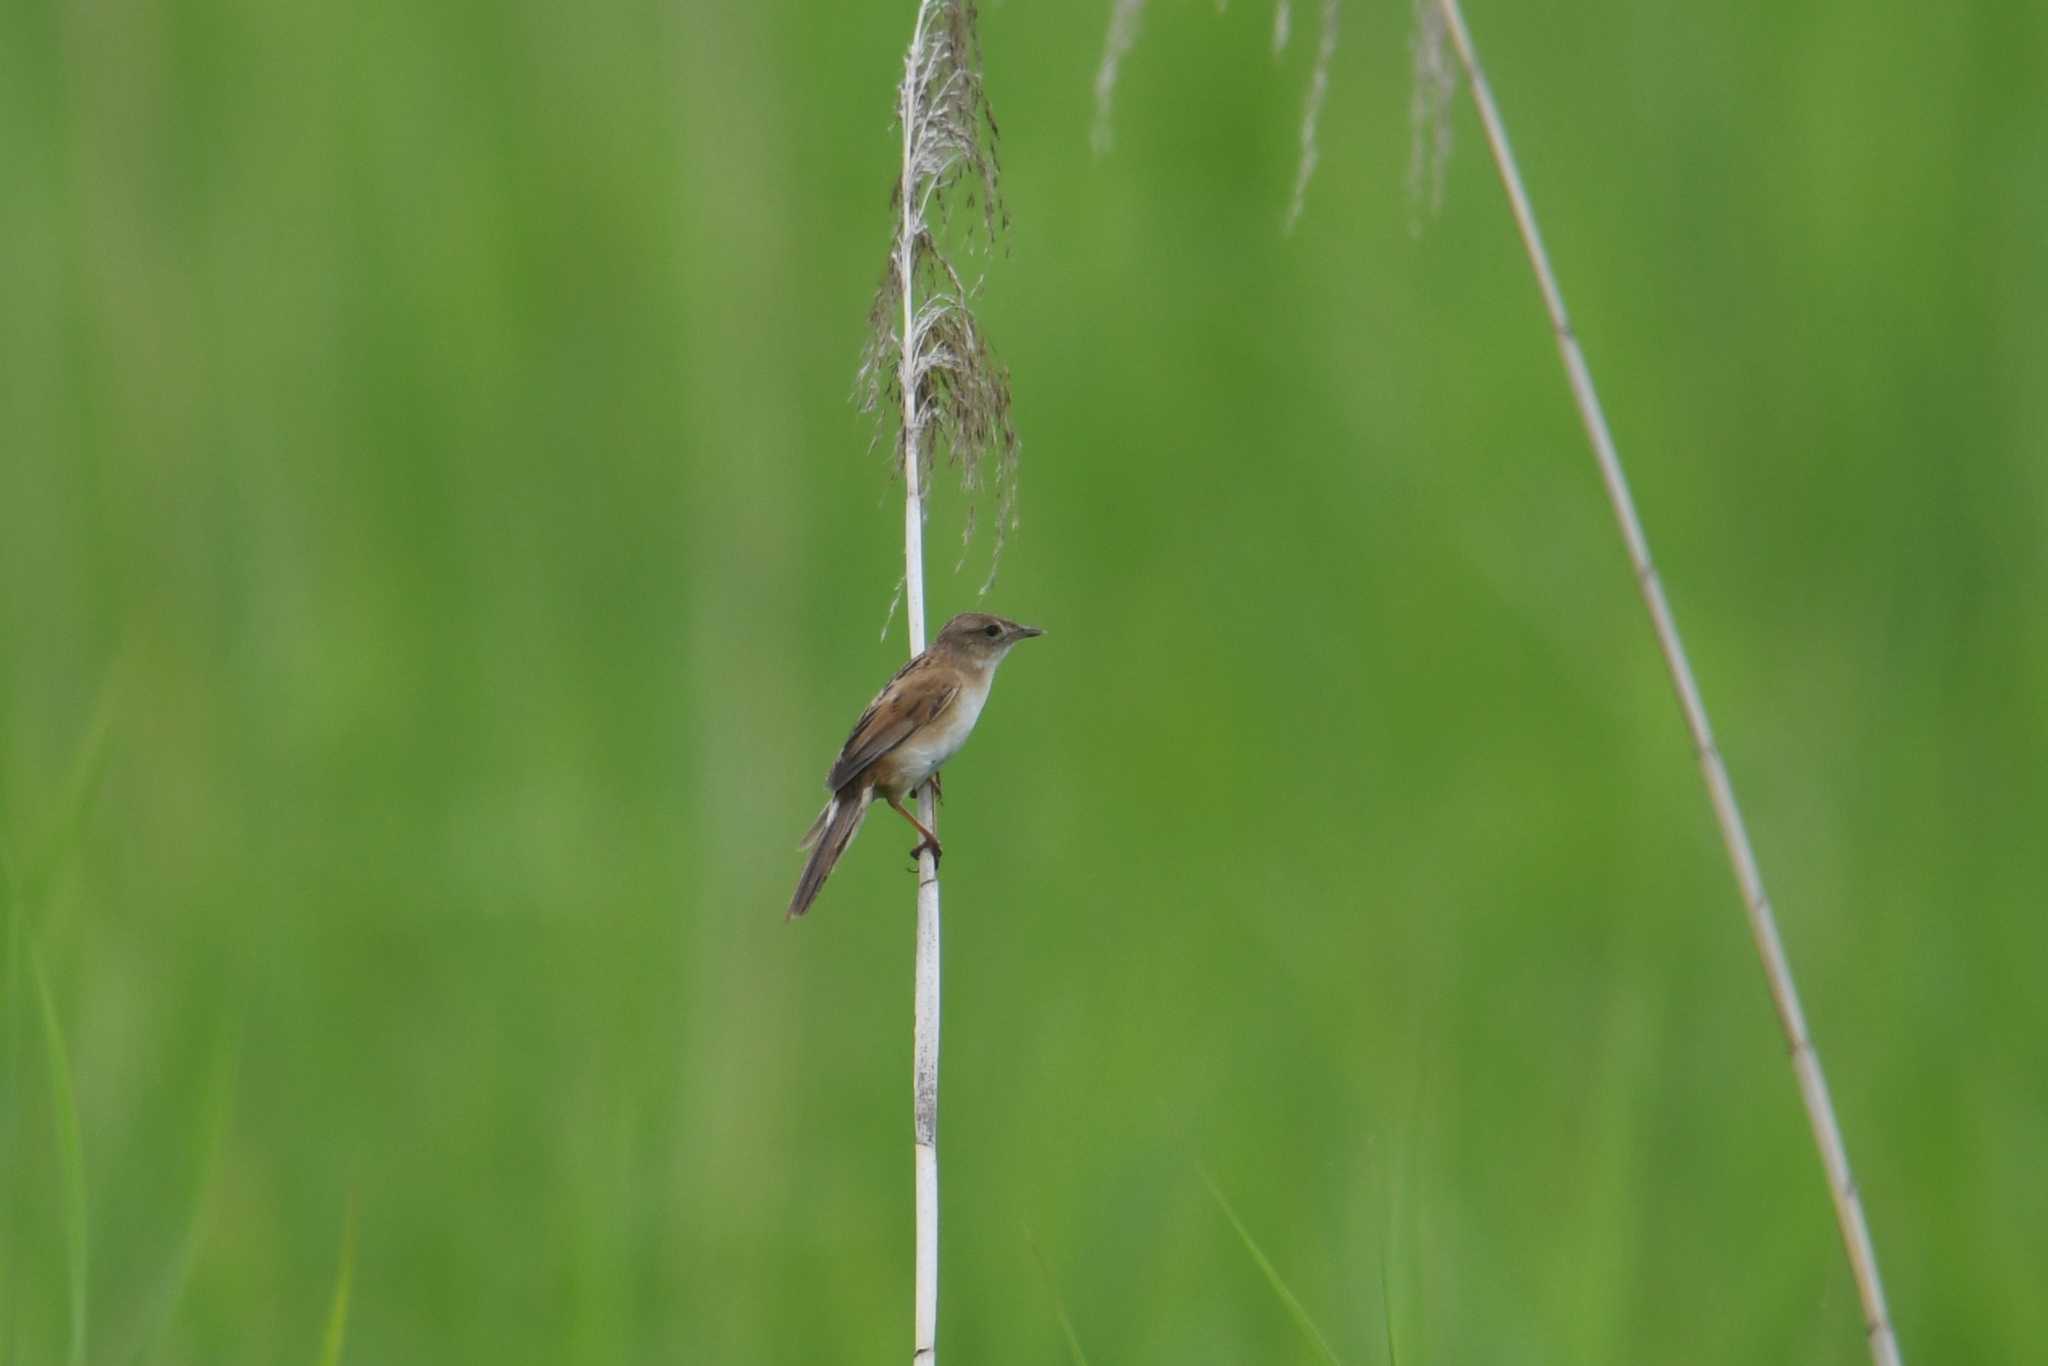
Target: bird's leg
930, 841
938, 793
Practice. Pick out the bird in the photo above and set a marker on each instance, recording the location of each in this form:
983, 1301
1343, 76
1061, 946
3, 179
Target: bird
915, 724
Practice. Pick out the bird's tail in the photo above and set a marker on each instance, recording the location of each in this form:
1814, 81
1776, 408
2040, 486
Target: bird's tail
827, 840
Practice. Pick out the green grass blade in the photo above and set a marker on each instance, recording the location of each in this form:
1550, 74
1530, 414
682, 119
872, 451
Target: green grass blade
220, 1105
1059, 1306
24, 883
70, 1155
336, 1337
61, 838
1387, 1306
1280, 1287
12, 1138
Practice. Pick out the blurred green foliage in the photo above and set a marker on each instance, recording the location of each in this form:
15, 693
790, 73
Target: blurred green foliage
427, 466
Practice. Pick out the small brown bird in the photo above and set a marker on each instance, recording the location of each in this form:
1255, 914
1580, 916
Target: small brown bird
913, 726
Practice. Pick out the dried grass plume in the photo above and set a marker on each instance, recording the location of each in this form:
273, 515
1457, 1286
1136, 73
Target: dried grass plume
1435, 83
1312, 112
1116, 45
927, 371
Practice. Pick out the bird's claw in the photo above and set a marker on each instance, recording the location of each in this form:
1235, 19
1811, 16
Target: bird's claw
938, 851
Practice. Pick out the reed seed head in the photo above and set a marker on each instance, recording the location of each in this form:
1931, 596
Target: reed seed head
927, 372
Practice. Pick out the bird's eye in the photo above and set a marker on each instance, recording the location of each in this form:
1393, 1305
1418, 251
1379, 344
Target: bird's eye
991, 630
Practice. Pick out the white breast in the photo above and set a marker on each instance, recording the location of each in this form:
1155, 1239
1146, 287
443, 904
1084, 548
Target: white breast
923, 753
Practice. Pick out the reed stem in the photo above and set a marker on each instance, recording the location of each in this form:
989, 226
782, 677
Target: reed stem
1763, 925
925, 993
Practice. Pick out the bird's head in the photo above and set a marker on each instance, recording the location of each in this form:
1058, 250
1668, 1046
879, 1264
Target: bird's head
982, 636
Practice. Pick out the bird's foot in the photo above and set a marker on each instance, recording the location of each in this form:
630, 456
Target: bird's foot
938, 851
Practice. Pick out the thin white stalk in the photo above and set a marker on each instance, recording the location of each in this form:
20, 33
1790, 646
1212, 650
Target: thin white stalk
1813, 1088
927, 370
925, 994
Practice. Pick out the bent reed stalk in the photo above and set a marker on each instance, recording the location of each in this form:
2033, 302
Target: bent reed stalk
1813, 1087
928, 370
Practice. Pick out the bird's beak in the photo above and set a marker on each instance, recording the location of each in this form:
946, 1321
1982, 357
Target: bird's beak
1024, 632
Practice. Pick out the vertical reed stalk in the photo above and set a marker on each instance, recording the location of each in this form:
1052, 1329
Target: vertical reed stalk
924, 1063
927, 371
1813, 1087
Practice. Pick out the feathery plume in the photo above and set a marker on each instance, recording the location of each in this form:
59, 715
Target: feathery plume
1434, 84
1123, 33
1312, 112
927, 370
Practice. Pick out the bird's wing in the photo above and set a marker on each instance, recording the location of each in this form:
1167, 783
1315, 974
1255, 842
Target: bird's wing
918, 695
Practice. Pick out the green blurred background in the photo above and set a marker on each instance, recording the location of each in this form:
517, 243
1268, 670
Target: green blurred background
440, 561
